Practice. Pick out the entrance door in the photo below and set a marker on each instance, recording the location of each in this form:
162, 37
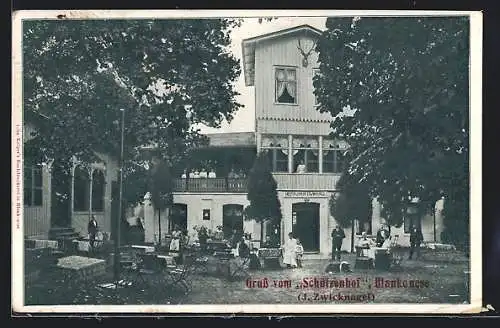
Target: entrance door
232, 219
178, 217
305, 218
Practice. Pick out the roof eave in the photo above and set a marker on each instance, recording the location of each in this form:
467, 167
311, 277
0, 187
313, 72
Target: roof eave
248, 48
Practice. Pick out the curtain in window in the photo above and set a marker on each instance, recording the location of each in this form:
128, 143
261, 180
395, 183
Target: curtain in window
281, 82
291, 86
286, 79
313, 143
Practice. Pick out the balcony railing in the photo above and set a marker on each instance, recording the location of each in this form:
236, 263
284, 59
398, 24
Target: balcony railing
285, 181
210, 185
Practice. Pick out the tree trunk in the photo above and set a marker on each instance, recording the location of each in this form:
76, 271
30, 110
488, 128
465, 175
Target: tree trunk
261, 232
159, 227
352, 236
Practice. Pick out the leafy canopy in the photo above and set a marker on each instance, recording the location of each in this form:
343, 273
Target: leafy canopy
353, 202
398, 88
166, 74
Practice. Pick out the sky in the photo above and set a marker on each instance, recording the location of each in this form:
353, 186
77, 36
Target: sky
244, 118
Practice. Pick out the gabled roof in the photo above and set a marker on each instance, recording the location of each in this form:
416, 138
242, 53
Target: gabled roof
248, 47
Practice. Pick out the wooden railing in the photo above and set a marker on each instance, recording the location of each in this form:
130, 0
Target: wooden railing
210, 185
306, 181
285, 181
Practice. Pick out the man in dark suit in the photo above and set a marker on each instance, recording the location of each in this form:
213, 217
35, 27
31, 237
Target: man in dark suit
416, 238
92, 229
382, 235
338, 236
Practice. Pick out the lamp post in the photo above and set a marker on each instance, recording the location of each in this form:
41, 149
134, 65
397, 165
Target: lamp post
118, 221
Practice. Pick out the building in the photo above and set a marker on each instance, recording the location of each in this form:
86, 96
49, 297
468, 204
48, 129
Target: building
211, 189
91, 190
305, 160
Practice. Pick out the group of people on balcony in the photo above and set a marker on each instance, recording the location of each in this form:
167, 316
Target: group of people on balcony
197, 174
210, 174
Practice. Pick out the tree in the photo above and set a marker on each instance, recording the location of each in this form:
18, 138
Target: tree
264, 203
352, 203
161, 189
398, 89
168, 74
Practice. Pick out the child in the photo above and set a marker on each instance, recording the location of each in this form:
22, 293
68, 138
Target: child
300, 252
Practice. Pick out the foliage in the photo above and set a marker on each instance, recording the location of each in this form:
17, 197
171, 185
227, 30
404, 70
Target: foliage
161, 186
262, 194
167, 74
398, 89
352, 203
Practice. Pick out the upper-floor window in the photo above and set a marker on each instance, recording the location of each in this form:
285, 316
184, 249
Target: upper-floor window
333, 156
276, 149
33, 185
315, 73
305, 155
286, 85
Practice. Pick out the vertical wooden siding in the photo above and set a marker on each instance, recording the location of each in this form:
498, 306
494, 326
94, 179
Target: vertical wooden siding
276, 52
36, 219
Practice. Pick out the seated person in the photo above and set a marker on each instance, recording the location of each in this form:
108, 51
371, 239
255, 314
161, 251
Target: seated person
387, 244
364, 244
243, 249
219, 234
382, 235
301, 168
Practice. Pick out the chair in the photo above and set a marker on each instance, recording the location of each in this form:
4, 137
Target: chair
147, 265
179, 276
396, 253
242, 265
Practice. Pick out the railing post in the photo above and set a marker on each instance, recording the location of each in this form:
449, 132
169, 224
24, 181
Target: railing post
226, 182
186, 184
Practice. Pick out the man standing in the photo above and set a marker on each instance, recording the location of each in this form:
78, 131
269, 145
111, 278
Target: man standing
416, 238
337, 239
92, 230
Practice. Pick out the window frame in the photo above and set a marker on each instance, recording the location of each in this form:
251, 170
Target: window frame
33, 188
336, 163
102, 199
85, 206
274, 158
284, 67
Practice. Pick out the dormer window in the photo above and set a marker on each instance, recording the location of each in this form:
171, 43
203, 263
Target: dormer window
286, 85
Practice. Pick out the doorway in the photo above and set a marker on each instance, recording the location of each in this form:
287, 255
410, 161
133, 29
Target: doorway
178, 216
305, 225
232, 219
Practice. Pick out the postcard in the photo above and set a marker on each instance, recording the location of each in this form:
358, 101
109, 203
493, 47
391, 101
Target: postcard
204, 161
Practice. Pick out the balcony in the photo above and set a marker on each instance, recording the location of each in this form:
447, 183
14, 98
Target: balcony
285, 181
211, 185
307, 181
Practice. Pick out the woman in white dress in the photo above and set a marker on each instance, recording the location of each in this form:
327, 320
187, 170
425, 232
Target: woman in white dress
290, 252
